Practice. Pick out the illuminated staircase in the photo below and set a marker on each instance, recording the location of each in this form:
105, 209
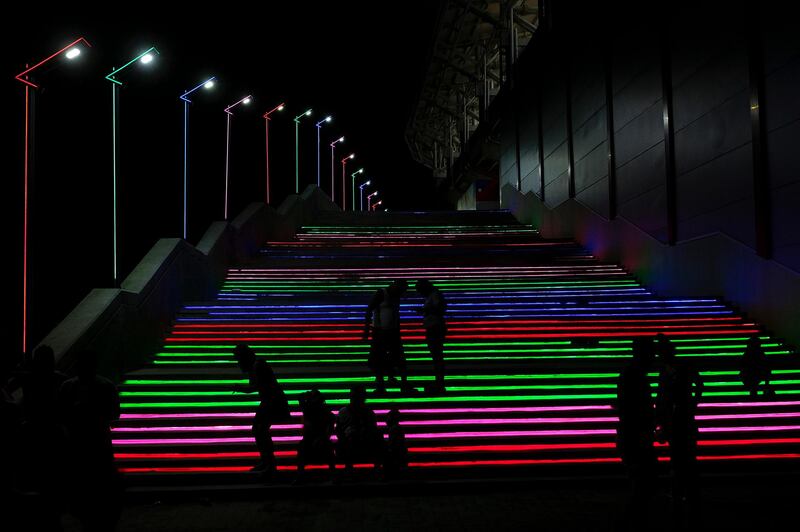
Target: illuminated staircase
538, 331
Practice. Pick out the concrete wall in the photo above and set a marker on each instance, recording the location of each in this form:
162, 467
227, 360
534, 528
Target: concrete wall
713, 265
127, 325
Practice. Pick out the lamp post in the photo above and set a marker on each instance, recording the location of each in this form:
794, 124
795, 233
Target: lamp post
297, 150
372, 207
145, 58
319, 126
333, 186
70, 51
353, 188
207, 84
344, 186
361, 194
228, 110
266, 132
369, 196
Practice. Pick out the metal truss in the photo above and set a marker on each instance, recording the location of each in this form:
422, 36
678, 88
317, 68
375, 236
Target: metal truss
475, 43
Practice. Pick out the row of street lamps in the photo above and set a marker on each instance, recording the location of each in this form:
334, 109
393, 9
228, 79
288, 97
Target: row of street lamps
72, 51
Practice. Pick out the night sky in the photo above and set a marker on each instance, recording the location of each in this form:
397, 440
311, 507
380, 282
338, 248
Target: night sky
362, 62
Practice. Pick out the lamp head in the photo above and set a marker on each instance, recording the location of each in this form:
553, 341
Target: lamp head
146, 58
247, 100
72, 53
280, 107
208, 84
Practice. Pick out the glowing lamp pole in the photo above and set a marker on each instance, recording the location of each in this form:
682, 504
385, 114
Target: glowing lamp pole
344, 186
70, 51
353, 187
297, 150
369, 197
228, 110
145, 58
372, 207
361, 194
266, 131
319, 126
333, 186
207, 84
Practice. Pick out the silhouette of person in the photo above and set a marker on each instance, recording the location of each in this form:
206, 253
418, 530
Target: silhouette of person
433, 321
636, 430
316, 446
396, 459
357, 431
90, 403
754, 367
679, 388
386, 349
274, 408
42, 433
10, 446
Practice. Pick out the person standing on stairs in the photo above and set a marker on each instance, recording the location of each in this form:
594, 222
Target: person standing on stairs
386, 350
755, 369
274, 408
435, 328
636, 431
679, 390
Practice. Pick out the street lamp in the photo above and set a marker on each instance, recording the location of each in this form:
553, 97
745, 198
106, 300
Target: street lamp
333, 187
344, 186
297, 150
319, 126
70, 51
353, 187
244, 101
361, 193
266, 131
372, 207
145, 58
207, 84
369, 196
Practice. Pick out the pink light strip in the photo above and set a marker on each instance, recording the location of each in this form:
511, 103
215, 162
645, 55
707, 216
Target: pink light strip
493, 410
768, 428
411, 423
419, 436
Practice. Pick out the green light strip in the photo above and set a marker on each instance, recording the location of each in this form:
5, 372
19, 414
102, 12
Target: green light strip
432, 399
425, 378
362, 346
347, 390
311, 380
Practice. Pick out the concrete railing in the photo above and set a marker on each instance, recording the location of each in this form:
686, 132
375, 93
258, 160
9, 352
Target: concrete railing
713, 265
127, 325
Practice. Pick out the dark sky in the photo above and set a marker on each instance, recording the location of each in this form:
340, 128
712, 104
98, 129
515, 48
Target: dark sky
361, 61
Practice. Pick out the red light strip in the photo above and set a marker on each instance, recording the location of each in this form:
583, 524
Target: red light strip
450, 322
461, 449
459, 463
25, 227
460, 336
266, 329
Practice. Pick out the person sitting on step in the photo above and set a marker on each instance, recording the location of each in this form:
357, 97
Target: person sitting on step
318, 422
357, 432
